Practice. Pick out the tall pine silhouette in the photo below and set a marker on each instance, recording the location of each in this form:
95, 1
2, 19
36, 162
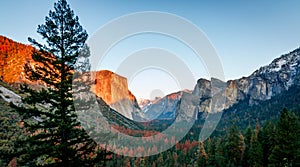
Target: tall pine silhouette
55, 136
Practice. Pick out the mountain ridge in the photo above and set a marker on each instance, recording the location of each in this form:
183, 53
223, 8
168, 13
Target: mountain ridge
111, 87
264, 83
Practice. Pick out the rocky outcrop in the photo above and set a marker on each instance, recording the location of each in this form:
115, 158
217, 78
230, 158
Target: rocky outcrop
212, 95
164, 108
216, 95
273, 79
10, 96
188, 107
113, 89
263, 84
202, 89
13, 57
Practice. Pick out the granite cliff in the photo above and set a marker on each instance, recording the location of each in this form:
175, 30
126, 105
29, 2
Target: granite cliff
162, 108
213, 95
113, 89
216, 95
13, 57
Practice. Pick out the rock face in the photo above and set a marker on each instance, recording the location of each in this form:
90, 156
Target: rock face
113, 89
272, 79
216, 95
13, 57
164, 108
188, 107
10, 96
261, 85
212, 95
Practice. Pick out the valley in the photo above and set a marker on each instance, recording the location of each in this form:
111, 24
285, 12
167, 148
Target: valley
255, 102
56, 111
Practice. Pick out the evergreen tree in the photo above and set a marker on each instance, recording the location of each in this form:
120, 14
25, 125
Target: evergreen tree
220, 153
212, 161
248, 136
56, 137
268, 141
203, 156
255, 151
286, 150
234, 146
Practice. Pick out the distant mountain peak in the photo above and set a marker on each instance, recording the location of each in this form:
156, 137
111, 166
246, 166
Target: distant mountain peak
261, 85
289, 61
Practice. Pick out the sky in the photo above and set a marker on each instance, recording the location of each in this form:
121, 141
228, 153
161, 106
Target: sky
245, 34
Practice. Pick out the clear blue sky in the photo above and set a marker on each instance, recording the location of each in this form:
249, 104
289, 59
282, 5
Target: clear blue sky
246, 34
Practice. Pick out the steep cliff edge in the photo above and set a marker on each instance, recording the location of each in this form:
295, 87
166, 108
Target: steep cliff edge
113, 89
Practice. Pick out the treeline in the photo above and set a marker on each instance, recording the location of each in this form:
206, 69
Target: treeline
276, 143
273, 144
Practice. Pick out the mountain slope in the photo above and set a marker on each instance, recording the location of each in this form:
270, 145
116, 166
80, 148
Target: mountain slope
7, 95
112, 88
242, 115
13, 57
163, 108
265, 83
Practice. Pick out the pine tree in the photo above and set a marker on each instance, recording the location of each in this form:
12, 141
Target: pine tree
268, 141
234, 146
220, 153
56, 137
248, 136
201, 155
286, 150
212, 161
256, 151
